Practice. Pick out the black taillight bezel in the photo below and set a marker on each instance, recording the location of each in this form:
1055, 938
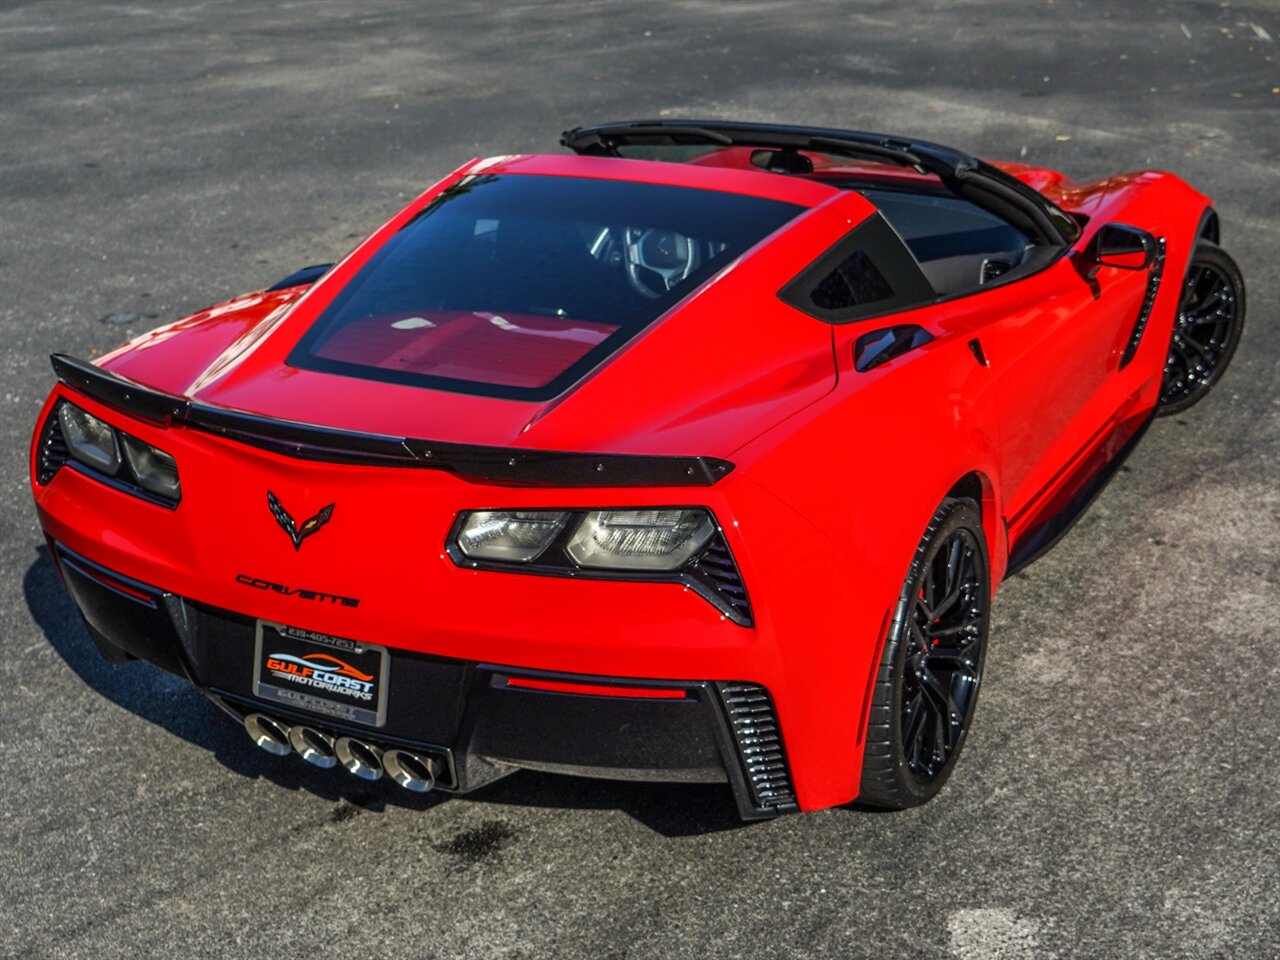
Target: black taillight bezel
53, 453
712, 572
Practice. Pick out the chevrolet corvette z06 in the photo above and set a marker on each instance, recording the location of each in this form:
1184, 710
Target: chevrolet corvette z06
695, 453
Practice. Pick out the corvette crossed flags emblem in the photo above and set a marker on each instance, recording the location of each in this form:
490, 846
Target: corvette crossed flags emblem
297, 534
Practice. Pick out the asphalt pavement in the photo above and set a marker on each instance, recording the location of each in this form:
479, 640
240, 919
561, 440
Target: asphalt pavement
1118, 795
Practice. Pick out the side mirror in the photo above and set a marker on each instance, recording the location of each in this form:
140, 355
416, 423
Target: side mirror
1120, 245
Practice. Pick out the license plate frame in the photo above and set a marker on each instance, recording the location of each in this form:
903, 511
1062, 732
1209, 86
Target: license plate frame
321, 674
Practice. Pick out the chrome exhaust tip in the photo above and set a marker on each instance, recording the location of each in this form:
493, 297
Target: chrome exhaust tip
411, 771
314, 747
361, 759
268, 734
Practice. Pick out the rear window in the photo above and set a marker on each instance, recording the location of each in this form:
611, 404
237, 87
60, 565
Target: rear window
515, 286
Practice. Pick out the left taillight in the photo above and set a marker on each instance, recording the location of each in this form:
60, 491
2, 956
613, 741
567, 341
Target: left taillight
72, 435
91, 441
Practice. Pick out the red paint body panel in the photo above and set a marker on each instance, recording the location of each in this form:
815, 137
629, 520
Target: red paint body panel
830, 493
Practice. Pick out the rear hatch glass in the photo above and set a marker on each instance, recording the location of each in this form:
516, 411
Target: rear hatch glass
517, 285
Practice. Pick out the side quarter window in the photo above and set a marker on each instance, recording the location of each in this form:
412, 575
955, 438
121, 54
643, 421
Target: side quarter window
868, 272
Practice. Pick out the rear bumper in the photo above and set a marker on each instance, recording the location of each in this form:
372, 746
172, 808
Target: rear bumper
380, 573
481, 720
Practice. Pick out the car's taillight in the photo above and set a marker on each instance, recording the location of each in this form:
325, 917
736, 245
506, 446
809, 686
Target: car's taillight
665, 544
90, 440
639, 539
514, 536
154, 469
95, 447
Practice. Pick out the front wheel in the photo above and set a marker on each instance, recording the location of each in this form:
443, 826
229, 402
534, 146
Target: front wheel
1206, 331
927, 681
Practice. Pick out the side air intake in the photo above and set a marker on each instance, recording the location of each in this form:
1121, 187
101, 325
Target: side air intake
754, 724
1144, 314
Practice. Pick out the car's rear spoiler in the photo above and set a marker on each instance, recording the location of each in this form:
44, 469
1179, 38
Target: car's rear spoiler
508, 466
967, 176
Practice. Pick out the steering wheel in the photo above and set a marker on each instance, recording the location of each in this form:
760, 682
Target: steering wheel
664, 255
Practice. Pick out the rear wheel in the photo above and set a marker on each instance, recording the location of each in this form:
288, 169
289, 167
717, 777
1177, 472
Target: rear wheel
927, 682
1206, 331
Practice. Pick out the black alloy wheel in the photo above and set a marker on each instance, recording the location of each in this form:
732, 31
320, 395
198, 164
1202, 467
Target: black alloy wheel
931, 668
1206, 330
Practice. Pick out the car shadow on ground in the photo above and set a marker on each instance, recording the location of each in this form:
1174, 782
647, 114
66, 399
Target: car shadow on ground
176, 706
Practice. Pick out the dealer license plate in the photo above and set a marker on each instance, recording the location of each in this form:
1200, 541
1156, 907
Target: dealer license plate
321, 674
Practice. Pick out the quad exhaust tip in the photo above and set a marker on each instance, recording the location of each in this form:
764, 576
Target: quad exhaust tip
361, 759
268, 734
413, 771
314, 747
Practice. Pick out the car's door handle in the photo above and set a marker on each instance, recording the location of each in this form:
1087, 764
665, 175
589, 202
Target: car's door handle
975, 347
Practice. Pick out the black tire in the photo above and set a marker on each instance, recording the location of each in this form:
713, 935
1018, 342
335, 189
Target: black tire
1206, 330
902, 765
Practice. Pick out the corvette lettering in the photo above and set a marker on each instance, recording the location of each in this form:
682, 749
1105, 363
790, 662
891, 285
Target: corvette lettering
317, 595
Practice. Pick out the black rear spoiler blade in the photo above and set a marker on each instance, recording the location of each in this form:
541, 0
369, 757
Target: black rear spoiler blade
508, 466
955, 167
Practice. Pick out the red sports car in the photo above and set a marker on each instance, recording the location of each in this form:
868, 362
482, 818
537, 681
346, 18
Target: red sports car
695, 454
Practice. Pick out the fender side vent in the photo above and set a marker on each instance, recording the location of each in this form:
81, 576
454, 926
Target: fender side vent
1144, 314
754, 724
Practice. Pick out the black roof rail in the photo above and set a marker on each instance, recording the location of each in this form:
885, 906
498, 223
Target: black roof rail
964, 174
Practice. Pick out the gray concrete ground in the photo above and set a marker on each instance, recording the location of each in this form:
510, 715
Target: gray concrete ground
1118, 796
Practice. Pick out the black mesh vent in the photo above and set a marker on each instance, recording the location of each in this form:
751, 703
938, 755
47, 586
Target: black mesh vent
52, 453
754, 724
994, 268
716, 572
1153, 287
854, 281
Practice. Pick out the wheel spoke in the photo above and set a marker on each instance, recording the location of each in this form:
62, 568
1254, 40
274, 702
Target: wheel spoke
924, 596
1198, 349
1206, 326
922, 607
918, 634
1219, 294
916, 742
913, 712
943, 639
1186, 356
956, 567
941, 737
939, 691
940, 633
964, 668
